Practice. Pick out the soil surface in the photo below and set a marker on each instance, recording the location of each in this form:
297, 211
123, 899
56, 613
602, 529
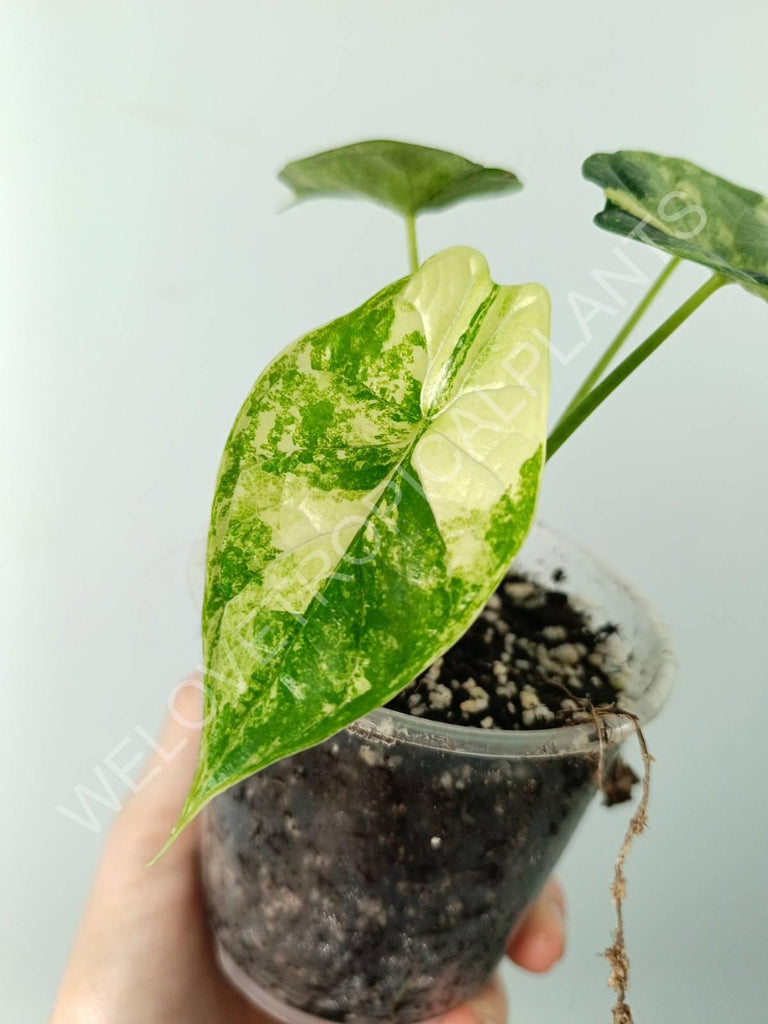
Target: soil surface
528, 662
371, 879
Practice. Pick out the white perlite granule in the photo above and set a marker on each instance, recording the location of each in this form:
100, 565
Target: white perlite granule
478, 698
439, 696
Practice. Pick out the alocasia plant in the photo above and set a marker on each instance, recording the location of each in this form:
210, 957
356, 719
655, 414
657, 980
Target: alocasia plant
378, 480
384, 469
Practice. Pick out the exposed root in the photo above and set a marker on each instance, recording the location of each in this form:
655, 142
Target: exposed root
616, 954
596, 716
616, 786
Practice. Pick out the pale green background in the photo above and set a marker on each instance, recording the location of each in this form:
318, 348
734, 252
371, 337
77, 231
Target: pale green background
145, 280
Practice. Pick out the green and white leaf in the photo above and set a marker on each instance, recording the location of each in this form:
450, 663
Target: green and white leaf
399, 175
377, 482
686, 211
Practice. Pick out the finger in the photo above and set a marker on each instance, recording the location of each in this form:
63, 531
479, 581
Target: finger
539, 942
489, 1006
135, 912
145, 821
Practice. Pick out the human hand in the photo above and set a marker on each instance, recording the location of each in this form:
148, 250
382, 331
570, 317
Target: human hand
143, 955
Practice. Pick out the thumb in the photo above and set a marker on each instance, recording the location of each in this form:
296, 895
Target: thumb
142, 826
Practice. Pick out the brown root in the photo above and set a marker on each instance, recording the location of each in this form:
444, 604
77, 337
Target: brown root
616, 785
616, 954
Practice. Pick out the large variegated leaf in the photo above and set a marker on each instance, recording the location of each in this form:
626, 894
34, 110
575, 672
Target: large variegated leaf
405, 177
376, 484
687, 211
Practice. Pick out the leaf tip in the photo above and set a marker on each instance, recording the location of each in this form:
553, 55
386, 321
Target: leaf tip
192, 807
592, 167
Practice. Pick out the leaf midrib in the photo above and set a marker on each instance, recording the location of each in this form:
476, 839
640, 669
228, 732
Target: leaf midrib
314, 603
424, 424
465, 343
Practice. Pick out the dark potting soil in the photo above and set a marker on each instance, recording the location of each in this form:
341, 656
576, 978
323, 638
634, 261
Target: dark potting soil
371, 879
532, 660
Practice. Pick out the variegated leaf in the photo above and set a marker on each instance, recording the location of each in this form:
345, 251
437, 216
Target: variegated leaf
687, 211
399, 175
378, 480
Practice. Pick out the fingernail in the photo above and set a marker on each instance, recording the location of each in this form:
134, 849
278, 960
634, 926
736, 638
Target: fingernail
486, 1018
555, 911
483, 1013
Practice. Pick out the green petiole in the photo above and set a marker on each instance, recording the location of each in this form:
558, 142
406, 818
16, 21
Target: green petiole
601, 391
413, 252
610, 353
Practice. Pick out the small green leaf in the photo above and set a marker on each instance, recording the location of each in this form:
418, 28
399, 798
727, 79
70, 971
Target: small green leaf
406, 178
686, 211
377, 482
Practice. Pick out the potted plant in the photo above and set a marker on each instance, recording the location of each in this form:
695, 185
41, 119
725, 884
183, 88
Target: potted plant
401, 731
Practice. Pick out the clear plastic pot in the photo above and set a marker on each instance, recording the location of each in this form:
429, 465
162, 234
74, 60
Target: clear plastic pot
377, 876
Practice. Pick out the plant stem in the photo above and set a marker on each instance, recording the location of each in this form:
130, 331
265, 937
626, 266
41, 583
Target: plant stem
608, 356
598, 394
413, 252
